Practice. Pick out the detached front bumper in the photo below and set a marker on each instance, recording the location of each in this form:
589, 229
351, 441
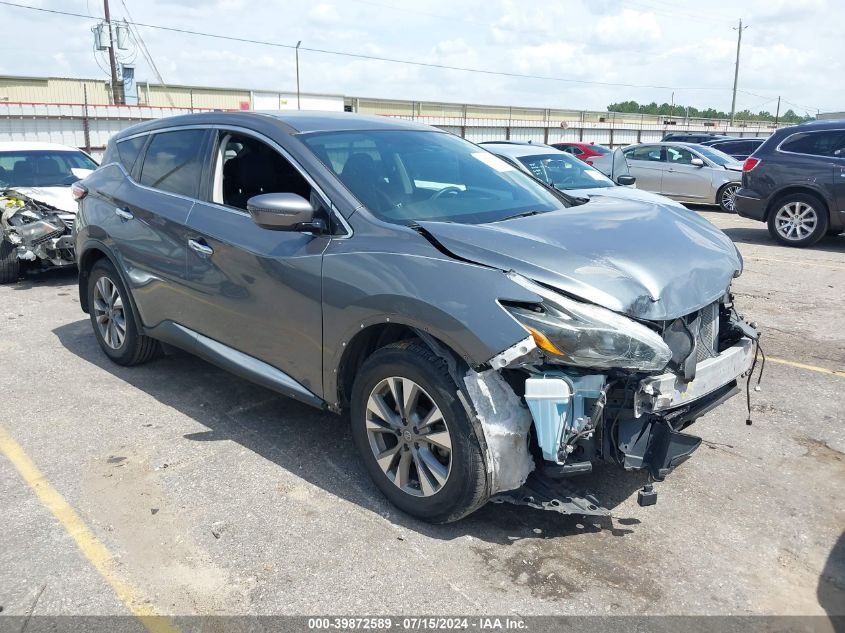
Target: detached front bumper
668, 391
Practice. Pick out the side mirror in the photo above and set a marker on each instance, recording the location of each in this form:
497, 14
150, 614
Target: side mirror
697, 162
625, 180
282, 212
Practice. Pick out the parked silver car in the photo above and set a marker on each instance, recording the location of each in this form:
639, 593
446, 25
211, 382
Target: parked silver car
686, 172
567, 173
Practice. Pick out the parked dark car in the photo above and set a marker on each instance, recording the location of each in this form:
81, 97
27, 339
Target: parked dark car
486, 333
739, 148
691, 137
795, 182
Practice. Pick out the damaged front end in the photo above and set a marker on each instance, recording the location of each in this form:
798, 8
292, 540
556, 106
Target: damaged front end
590, 386
38, 231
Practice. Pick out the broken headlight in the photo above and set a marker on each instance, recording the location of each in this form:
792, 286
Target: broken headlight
587, 335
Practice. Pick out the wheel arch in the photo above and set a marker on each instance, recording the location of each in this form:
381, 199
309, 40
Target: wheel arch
775, 199
374, 337
86, 260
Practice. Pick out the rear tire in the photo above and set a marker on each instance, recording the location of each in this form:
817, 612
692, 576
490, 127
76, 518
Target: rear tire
113, 318
435, 485
798, 220
10, 267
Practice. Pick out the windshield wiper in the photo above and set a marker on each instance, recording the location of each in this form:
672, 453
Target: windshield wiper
524, 214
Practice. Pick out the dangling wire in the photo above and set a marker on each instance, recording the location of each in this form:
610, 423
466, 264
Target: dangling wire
757, 350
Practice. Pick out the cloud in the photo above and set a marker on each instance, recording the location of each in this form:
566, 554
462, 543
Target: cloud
622, 29
324, 14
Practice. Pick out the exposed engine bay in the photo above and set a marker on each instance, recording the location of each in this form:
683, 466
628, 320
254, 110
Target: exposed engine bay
625, 402
39, 231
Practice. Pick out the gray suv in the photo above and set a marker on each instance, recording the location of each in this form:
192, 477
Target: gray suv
486, 334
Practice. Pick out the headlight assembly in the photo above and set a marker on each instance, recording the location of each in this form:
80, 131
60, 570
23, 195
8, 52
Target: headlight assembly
587, 335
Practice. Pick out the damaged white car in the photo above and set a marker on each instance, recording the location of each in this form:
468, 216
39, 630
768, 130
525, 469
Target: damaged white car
37, 204
489, 336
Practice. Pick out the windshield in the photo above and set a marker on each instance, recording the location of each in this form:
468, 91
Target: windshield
717, 156
403, 176
43, 168
565, 172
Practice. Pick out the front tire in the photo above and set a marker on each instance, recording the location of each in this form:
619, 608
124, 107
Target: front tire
113, 318
798, 220
414, 436
727, 197
10, 267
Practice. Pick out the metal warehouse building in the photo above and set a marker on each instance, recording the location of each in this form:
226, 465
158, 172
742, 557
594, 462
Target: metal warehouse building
78, 112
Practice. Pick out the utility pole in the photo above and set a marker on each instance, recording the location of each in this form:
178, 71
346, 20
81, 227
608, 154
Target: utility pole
736, 69
117, 93
298, 104
777, 112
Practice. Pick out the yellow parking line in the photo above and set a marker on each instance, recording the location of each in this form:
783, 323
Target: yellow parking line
90, 546
792, 363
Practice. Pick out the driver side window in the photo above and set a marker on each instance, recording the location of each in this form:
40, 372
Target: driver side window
247, 167
679, 156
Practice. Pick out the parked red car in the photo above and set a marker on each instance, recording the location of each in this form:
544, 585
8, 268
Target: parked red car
584, 151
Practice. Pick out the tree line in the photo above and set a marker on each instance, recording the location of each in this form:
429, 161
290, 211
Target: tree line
677, 110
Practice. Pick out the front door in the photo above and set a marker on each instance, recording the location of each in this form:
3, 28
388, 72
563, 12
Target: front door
254, 289
682, 179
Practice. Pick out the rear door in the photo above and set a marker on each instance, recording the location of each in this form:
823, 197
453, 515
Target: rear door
812, 152
682, 179
147, 223
253, 289
645, 162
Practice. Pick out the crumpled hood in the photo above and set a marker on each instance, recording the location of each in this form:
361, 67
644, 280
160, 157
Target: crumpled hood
57, 197
649, 261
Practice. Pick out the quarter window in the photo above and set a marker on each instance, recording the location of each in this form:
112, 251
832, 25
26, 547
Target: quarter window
826, 143
129, 150
174, 162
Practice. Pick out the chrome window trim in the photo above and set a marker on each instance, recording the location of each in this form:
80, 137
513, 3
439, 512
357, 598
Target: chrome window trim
786, 151
261, 137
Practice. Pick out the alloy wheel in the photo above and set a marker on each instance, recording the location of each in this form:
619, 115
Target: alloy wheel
408, 436
796, 220
108, 311
728, 198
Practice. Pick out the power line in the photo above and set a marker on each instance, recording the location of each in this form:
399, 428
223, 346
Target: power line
371, 57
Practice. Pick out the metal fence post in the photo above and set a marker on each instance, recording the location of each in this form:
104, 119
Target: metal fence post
86, 124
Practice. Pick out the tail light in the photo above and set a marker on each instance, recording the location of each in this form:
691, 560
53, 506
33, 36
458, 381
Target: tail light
78, 191
750, 163
588, 161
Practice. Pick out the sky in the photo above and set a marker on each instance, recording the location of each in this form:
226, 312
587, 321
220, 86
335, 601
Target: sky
792, 48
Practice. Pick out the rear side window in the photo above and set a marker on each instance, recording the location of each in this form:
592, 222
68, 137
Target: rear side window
823, 143
649, 152
129, 150
173, 162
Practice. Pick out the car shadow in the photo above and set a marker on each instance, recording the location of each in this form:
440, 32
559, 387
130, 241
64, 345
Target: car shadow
831, 589
45, 277
745, 235
317, 445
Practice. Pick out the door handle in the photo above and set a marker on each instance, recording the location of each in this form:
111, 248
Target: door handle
200, 247
124, 214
